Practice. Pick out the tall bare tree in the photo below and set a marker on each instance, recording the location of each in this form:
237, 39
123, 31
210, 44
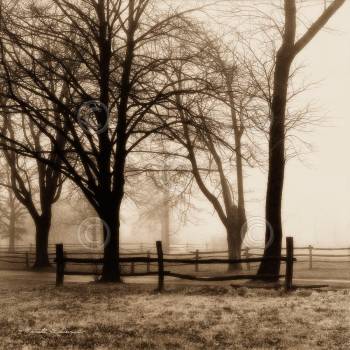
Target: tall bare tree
215, 126
291, 46
107, 55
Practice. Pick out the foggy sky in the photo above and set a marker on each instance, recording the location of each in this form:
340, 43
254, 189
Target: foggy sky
316, 200
316, 194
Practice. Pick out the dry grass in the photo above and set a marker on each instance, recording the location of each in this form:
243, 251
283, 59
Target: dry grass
95, 316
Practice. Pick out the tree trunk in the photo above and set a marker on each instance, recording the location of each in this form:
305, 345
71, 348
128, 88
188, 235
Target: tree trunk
12, 232
284, 59
242, 218
42, 226
234, 243
238, 132
12, 222
165, 222
111, 230
273, 208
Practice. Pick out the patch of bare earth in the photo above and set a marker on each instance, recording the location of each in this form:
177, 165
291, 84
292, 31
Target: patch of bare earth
94, 316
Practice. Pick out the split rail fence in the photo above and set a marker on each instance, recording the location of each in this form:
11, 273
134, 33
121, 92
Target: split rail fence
63, 259
310, 257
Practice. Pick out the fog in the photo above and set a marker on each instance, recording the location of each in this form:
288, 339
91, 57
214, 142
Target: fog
317, 184
316, 204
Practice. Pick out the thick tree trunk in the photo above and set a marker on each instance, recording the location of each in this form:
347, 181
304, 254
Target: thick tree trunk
273, 208
236, 230
234, 243
12, 233
284, 59
42, 226
111, 230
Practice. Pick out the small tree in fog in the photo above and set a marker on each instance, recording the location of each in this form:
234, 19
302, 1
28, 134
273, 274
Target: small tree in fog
12, 212
35, 184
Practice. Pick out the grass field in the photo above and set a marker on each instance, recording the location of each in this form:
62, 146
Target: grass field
96, 316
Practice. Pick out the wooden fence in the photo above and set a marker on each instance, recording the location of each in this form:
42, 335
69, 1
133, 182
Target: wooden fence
62, 260
308, 254
24, 256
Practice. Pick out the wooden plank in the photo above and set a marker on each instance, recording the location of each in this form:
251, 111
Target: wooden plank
219, 278
332, 255
139, 274
59, 265
160, 266
246, 252
92, 273
289, 266
225, 261
148, 262
310, 257
179, 261
140, 259
11, 262
81, 273
197, 258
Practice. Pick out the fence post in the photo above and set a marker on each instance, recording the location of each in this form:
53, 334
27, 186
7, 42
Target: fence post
160, 266
59, 265
310, 257
148, 262
246, 250
197, 258
27, 260
289, 265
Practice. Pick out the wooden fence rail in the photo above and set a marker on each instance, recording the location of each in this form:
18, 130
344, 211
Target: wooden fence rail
61, 261
309, 254
24, 256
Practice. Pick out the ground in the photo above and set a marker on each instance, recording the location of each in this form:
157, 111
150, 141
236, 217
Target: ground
133, 316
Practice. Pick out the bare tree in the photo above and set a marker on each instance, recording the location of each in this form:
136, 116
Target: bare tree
104, 54
12, 212
289, 49
215, 126
35, 185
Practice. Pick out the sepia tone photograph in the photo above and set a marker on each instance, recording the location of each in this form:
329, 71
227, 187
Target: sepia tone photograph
174, 174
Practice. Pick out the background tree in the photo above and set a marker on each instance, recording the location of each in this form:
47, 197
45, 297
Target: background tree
155, 205
35, 185
215, 125
163, 199
12, 212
